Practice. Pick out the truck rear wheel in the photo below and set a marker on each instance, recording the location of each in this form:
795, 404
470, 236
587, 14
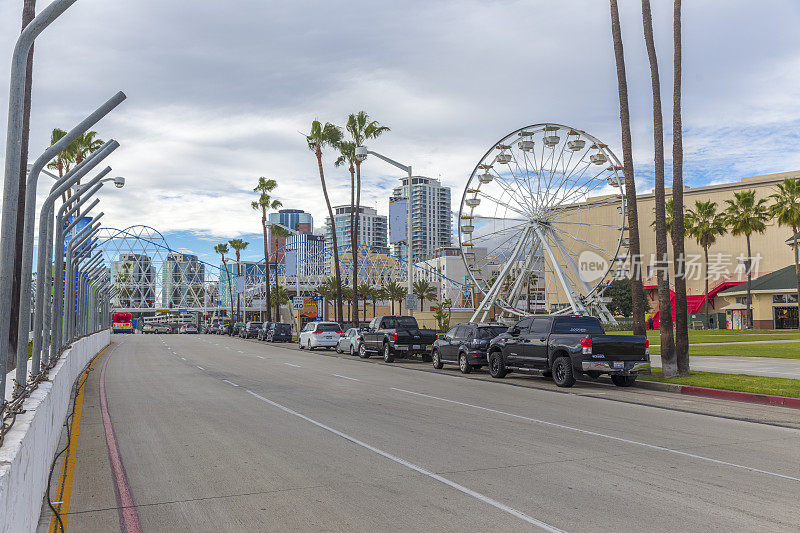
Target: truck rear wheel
497, 368
562, 372
622, 381
388, 355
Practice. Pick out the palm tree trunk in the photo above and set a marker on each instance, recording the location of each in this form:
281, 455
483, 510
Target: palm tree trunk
749, 324
337, 270
354, 237
266, 262
797, 272
669, 364
637, 288
230, 288
678, 228
393, 303
705, 301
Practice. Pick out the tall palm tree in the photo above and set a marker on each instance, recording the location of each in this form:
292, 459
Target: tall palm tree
678, 231
705, 225
266, 202
238, 245
222, 249
744, 216
278, 231
669, 364
424, 291
365, 292
347, 156
361, 129
85, 144
637, 287
63, 160
319, 138
786, 210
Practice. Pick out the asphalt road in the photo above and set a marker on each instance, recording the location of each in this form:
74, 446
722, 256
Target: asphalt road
222, 434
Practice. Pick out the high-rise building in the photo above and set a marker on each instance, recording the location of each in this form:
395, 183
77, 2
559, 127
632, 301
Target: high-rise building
371, 229
242, 276
135, 278
431, 224
182, 285
295, 219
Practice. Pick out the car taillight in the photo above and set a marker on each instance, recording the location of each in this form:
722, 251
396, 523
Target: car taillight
317, 332
586, 346
437, 336
647, 343
339, 331
395, 336
360, 338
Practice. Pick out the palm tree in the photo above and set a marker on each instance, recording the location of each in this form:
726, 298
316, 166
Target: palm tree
745, 216
669, 364
365, 291
637, 287
424, 291
395, 292
264, 188
327, 290
705, 225
347, 151
360, 128
238, 245
222, 249
64, 159
278, 231
786, 210
378, 293
678, 230
320, 137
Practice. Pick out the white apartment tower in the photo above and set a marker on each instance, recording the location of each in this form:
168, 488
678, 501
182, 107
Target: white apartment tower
431, 224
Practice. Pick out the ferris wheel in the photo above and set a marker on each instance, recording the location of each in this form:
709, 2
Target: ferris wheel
542, 223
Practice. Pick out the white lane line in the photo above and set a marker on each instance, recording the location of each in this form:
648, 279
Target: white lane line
260, 357
200, 367
603, 435
239, 351
183, 359
230, 382
290, 364
461, 488
345, 377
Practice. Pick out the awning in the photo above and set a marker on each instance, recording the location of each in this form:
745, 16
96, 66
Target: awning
734, 307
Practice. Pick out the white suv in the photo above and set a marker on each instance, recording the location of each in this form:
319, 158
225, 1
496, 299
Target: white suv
319, 335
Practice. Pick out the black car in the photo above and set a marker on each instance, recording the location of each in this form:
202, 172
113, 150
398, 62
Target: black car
249, 330
277, 332
262, 333
465, 345
565, 347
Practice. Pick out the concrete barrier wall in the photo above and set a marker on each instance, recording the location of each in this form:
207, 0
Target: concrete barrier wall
29, 447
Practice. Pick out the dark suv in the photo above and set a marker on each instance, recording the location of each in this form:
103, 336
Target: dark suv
276, 332
465, 345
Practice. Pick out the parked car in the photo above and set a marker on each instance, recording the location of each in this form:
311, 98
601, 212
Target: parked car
249, 330
211, 329
162, 328
465, 345
222, 329
149, 328
350, 341
567, 346
262, 332
319, 335
278, 332
188, 328
237, 326
391, 335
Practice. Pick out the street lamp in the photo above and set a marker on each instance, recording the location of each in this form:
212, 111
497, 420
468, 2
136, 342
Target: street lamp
361, 155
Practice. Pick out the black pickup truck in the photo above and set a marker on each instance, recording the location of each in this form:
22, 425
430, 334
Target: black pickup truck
392, 335
567, 346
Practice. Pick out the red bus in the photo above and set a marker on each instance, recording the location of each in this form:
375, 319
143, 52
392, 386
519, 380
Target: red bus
122, 323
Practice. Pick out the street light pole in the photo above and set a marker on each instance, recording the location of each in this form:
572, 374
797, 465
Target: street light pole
361, 155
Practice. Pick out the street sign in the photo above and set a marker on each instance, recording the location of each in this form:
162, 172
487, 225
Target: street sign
298, 303
411, 302
317, 297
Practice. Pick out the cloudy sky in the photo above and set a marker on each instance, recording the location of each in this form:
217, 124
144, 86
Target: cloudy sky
219, 93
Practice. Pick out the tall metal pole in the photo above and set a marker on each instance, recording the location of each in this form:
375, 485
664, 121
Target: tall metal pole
13, 167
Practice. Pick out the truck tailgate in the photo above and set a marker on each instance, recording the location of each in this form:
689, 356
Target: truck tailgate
619, 347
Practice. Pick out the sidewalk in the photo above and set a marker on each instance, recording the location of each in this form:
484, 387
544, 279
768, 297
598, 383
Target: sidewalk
754, 366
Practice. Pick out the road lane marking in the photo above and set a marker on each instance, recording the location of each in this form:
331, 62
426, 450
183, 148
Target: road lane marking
183, 359
200, 367
461, 488
260, 357
345, 377
603, 435
230, 382
290, 364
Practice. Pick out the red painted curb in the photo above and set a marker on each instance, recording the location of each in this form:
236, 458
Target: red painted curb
737, 396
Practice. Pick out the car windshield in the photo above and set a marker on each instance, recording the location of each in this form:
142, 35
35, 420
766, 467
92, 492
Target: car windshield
577, 325
328, 326
490, 332
283, 328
